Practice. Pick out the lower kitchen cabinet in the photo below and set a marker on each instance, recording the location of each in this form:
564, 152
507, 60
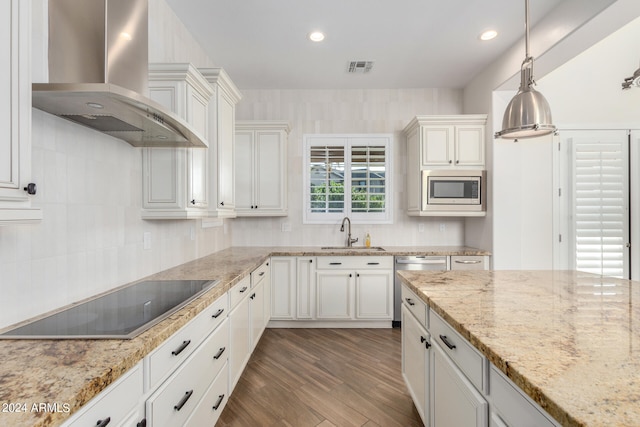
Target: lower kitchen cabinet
306, 287
178, 397
240, 331
334, 295
256, 313
332, 291
118, 403
416, 361
456, 402
283, 288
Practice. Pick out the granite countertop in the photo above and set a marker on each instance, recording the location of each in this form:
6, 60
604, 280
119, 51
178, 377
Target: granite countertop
70, 373
570, 340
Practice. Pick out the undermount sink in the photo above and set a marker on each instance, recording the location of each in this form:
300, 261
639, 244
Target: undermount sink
353, 248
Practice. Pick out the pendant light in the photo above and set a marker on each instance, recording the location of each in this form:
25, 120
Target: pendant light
528, 114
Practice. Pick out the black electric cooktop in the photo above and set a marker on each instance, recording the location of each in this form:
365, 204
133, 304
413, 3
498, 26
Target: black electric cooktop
123, 313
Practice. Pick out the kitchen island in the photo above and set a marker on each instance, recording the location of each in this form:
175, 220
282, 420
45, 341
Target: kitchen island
569, 340
43, 382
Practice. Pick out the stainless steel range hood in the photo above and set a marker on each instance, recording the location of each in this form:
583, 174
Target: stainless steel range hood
98, 71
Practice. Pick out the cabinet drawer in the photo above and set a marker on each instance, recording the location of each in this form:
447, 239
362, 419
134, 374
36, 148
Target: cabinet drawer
115, 402
513, 406
416, 306
239, 291
217, 312
177, 398
213, 402
470, 262
465, 356
354, 262
166, 358
259, 274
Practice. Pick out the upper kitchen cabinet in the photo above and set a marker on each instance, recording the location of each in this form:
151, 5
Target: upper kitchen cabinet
176, 180
261, 168
222, 116
447, 141
15, 121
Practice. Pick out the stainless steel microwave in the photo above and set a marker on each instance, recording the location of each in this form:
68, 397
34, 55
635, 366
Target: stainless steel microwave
453, 190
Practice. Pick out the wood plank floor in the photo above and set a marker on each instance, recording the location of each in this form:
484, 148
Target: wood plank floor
323, 377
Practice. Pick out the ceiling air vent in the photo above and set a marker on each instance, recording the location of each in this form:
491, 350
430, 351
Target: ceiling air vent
360, 66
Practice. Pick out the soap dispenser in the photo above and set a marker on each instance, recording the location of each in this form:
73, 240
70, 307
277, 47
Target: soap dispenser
367, 240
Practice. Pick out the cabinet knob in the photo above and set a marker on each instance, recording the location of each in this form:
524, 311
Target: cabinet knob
449, 161
103, 423
193, 201
30, 188
221, 203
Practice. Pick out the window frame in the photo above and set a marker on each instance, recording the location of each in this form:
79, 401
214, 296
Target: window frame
347, 141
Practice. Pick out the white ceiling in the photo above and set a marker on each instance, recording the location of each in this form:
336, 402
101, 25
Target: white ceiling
263, 44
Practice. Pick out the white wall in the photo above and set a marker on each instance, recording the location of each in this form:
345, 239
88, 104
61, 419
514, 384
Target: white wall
90, 191
346, 111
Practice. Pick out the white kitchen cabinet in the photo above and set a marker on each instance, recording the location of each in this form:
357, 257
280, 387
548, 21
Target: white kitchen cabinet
448, 141
416, 356
334, 295
176, 180
180, 395
354, 288
222, 116
261, 168
441, 142
306, 287
118, 402
515, 407
456, 402
374, 294
469, 262
283, 288
15, 121
239, 329
256, 313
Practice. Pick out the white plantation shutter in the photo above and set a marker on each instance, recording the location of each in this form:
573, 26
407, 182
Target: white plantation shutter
600, 201
347, 175
368, 178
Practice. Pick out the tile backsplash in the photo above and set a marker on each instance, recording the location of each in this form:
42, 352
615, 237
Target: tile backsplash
91, 237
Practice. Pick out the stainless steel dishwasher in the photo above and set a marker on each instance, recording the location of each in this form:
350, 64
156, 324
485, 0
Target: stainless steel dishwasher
418, 262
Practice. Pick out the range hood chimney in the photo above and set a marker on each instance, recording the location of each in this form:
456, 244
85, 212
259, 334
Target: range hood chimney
98, 72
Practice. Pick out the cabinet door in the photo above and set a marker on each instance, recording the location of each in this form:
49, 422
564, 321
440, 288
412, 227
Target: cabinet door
306, 287
456, 402
198, 178
270, 172
469, 149
334, 295
256, 303
437, 145
283, 288
239, 341
244, 170
374, 295
413, 178
164, 172
415, 362
226, 158
15, 113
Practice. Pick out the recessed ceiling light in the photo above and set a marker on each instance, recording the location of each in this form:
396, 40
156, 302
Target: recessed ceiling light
316, 36
488, 35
